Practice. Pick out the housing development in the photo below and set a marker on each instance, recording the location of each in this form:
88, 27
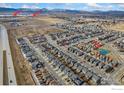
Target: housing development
61, 47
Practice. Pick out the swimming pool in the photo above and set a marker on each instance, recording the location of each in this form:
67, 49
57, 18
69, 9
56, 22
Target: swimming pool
104, 51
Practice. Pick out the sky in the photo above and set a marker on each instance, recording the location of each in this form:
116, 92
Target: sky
72, 6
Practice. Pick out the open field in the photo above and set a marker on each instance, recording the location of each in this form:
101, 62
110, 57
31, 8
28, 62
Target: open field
5, 73
120, 77
118, 27
50, 20
34, 26
22, 69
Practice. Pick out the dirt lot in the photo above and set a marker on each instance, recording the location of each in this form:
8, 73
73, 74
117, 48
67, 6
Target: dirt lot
118, 27
21, 32
50, 20
35, 26
5, 73
22, 68
120, 77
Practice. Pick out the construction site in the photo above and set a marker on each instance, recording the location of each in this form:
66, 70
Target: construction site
61, 49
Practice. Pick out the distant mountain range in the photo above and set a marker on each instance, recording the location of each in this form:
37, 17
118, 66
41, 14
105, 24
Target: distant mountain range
44, 10
109, 13
7, 9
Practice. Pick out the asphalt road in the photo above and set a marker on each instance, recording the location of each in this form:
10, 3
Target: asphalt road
1, 61
5, 46
96, 70
43, 59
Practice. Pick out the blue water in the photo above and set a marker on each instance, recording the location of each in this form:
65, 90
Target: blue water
103, 51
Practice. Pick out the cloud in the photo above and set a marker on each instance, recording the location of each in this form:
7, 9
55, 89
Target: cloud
30, 6
25, 6
5, 5
94, 5
109, 7
121, 5
68, 6
99, 7
72, 6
